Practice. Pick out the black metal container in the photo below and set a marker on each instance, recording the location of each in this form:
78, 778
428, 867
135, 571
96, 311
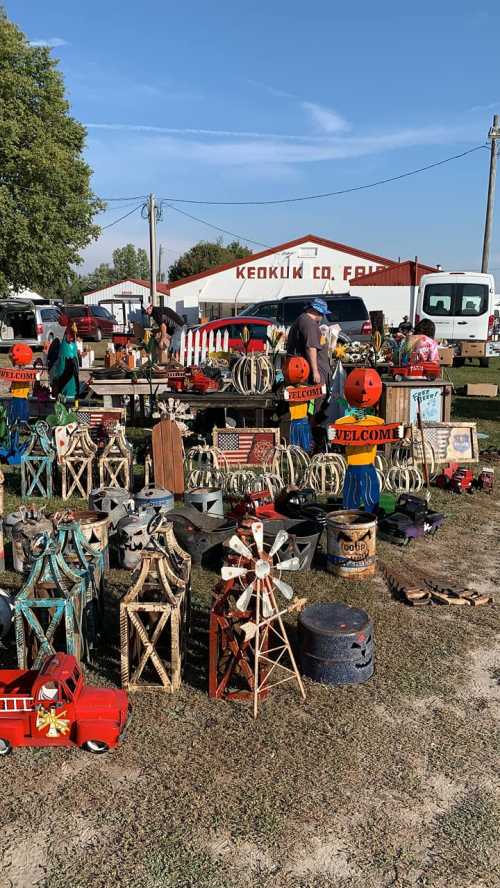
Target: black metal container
335, 643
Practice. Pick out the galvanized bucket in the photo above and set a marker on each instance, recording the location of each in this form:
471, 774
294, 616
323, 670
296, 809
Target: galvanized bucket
351, 542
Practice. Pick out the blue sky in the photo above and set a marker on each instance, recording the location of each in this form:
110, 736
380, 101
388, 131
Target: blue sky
249, 101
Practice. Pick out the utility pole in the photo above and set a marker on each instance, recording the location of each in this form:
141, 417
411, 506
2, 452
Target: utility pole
160, 263
493, 135
152, 216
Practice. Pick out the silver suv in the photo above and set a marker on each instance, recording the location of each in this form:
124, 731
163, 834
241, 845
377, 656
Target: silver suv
348, 311
34, 323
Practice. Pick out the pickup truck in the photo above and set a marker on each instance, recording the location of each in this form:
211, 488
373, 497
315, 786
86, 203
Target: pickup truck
54, 707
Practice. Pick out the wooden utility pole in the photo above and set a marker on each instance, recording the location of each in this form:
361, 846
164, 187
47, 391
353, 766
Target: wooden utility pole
152, 249
493, 135
160, 263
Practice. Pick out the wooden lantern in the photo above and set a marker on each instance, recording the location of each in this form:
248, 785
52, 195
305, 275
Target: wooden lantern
116, 460
37, 463
154, 617
76, 465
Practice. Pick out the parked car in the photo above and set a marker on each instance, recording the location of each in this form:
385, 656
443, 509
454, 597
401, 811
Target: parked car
34, 323
92, 321
348, 311
257, 328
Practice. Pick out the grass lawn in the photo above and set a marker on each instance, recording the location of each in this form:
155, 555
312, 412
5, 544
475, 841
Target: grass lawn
390, 784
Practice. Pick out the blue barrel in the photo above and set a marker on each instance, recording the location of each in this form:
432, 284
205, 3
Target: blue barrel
335, 643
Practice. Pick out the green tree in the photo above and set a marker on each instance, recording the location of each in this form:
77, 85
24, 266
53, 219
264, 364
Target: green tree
204, 255
130, 262
46, 203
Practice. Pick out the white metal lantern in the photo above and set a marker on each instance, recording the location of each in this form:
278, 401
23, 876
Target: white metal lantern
253, 374
289, 463
326, 473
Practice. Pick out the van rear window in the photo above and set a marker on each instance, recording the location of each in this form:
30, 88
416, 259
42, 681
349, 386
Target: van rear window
455, 300
75, 311
438, 299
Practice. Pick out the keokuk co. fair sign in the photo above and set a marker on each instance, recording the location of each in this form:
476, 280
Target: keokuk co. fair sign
300, 272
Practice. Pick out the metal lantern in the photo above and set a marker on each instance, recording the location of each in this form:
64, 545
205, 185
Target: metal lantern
113, 501
289, 463
153, 499
326, 473
401, 479
253, 374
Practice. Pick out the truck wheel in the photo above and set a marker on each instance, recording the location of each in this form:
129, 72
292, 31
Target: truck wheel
484, 362
5, 747
97, 746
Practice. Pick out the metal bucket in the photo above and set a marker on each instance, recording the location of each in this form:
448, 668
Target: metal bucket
154, 498
351, 541
335, 643
207, 500
94, 526
132, 538
112, 501
24, 531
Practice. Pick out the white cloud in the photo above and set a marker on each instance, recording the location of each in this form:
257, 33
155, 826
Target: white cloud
50, 42
191, 131
324, 118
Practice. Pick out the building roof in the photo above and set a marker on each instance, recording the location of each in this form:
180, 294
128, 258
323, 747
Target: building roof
399, 274
161, 288
322, 241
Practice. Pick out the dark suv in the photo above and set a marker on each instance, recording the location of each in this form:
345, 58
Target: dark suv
92, 321
348, 311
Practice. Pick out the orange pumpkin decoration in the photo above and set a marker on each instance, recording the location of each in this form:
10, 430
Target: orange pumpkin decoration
21, 354
296, 370
363, 387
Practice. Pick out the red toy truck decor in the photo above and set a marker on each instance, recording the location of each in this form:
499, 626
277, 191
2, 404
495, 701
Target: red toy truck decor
424, 370
54, 707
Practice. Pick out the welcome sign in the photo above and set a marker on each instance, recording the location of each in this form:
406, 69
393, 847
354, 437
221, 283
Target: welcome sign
363, 436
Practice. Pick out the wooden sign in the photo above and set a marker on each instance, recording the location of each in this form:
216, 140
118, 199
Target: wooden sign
16, 374
450, 441
357, 435
302, 393
168, 456
245, 446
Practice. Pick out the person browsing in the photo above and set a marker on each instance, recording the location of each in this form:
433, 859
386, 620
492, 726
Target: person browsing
306, 339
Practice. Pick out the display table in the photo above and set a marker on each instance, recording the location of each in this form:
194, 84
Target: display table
399, 401
112, 391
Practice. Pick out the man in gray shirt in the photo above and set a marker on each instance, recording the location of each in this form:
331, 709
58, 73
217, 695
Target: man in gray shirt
305, 339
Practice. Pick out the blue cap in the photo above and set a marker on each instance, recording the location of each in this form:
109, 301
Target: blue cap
319, 305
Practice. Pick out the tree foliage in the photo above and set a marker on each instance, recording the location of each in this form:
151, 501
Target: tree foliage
204, 255
128, 262
46, 203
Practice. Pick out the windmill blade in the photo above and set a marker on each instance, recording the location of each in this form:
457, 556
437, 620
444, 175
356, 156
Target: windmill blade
284, 588
267, 608
238, 546
230, 573
289, 564
244, 599
249, 630
258, 535
281, 538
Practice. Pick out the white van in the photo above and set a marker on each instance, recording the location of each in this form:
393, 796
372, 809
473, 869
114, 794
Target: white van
464, 308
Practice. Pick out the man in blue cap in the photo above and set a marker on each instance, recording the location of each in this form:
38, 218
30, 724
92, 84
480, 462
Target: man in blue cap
306, 339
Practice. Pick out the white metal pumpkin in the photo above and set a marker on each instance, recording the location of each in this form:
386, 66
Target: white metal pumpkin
253, 374
205, 467
404, 479
289, 463
240, 481
326, 473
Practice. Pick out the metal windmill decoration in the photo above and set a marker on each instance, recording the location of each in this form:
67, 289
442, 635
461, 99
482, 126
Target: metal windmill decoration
259, 574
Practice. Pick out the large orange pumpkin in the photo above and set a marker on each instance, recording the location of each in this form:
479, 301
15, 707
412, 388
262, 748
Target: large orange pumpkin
21, 354
296, 370
363, 387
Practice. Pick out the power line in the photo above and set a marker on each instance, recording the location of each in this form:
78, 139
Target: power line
240, 237
137, 197
133, 210
256, 203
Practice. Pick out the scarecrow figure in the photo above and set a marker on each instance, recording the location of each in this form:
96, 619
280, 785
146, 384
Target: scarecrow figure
21, 357
363, 388
65, 371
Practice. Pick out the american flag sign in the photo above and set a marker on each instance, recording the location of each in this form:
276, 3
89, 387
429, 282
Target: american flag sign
245, 446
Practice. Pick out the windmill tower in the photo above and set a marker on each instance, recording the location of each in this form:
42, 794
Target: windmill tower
263, 634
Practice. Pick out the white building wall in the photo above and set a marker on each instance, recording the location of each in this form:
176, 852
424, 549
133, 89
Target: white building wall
393, 301
124, 288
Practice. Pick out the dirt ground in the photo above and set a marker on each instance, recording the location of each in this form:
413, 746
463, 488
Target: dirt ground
392, 783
